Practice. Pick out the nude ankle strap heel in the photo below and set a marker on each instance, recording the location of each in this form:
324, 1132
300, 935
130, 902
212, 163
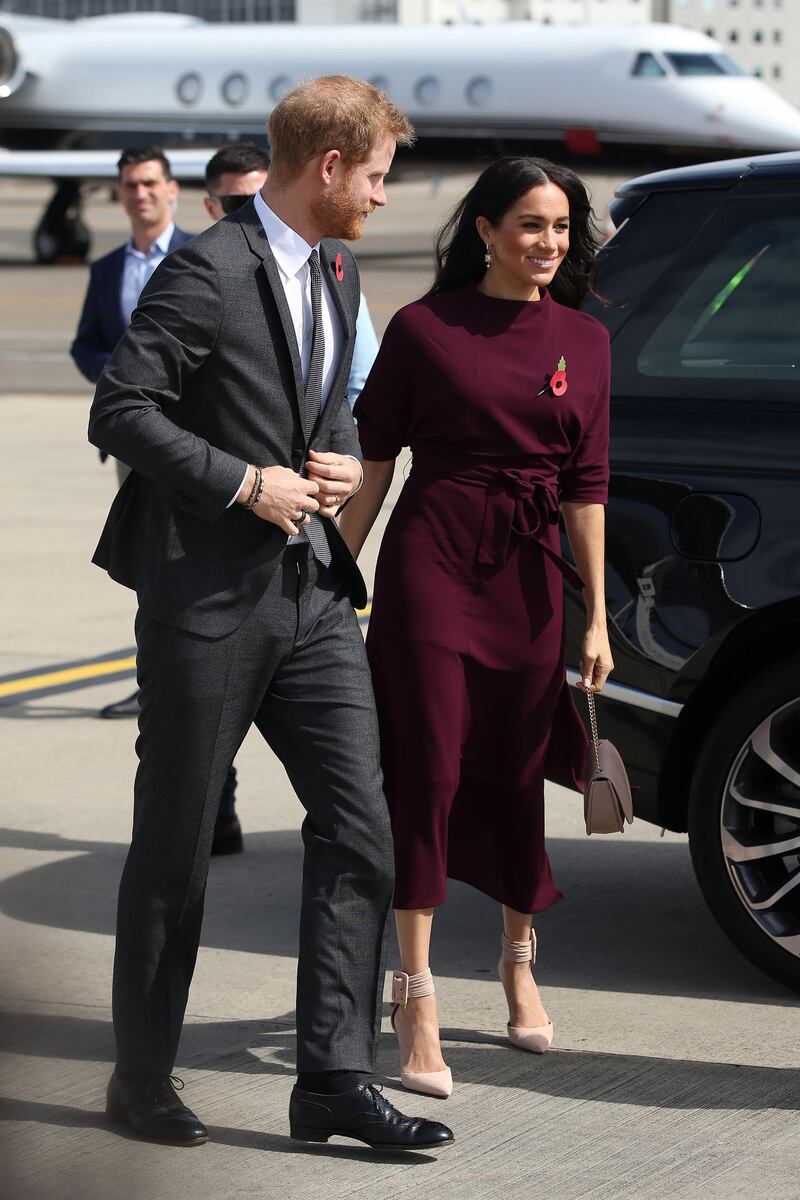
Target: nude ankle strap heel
518, 951
537, 1038
412, 987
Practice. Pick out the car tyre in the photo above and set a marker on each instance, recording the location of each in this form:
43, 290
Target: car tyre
744, 821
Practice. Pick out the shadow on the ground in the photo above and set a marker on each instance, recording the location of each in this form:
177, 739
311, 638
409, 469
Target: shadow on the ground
236, 1047
633, 920
67, 1117
42, 712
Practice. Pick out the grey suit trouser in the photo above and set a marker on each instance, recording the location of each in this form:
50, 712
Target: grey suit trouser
296, 668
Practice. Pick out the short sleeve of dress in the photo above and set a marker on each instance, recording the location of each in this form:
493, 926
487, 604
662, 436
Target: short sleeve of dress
584, 476
383, 410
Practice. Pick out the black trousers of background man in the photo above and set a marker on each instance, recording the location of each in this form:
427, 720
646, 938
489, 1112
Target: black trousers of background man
296, 668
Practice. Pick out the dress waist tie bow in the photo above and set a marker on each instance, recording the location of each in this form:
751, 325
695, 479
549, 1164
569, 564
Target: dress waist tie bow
520, 502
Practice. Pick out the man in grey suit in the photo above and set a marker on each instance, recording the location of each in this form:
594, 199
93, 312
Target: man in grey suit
227, 395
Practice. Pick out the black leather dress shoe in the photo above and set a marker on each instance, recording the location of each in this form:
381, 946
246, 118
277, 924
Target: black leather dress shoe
227, 836
129, 707
363, 1113
148, 1106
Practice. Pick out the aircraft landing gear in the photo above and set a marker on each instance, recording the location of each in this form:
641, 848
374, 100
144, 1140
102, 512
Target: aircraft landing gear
61, 235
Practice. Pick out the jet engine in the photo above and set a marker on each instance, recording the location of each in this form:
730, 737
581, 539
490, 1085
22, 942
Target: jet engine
12, 72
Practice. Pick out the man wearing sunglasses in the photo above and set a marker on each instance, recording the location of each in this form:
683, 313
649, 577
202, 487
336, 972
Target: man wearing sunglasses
233, 175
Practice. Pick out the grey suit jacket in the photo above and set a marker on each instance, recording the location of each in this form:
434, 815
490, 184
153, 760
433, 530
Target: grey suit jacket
206, 380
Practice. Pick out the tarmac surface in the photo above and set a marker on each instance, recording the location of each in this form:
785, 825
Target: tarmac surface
675, 1070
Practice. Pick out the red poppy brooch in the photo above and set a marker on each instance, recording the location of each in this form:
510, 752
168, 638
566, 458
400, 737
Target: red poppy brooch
339, 268
557, 383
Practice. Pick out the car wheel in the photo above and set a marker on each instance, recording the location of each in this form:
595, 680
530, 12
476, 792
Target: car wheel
744, 821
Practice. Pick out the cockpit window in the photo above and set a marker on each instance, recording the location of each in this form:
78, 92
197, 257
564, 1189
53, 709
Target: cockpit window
703, 64
647, 64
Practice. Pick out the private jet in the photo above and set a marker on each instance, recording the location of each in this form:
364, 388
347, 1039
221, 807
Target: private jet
109, 81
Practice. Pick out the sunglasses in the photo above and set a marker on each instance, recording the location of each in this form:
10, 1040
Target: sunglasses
230, 204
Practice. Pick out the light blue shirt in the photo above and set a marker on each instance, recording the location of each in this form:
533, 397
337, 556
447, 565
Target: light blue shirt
364, 353
139, 267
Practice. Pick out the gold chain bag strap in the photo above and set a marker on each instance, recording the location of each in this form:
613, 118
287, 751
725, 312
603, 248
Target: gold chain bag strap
607, 802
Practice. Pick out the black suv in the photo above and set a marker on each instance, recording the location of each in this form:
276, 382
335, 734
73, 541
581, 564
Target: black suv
703, 552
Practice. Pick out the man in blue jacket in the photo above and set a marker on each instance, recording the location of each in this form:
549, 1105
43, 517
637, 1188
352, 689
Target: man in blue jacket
147, 192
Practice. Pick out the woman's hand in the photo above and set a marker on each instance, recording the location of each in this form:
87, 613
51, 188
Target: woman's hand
359, 516
337, 476
596, 660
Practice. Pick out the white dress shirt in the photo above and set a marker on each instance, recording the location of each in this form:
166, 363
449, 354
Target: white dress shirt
291, 253
139, 267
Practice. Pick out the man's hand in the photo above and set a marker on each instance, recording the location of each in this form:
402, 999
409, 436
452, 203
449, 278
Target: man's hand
285, 497
337, 476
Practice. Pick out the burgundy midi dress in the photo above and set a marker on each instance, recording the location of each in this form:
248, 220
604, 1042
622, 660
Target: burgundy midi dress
465, 637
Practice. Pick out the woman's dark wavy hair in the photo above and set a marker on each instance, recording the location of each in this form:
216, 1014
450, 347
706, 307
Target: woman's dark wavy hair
459, 250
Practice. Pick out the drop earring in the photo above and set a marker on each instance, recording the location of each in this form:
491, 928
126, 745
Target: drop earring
487, 258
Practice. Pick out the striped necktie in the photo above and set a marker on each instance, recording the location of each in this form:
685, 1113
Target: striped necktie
315, 530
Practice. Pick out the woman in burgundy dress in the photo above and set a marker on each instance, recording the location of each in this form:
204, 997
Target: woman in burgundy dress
500, 387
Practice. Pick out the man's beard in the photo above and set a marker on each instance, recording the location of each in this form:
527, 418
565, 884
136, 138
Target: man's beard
339, 212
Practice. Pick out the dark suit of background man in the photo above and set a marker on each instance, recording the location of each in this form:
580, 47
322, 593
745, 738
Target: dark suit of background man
227, 396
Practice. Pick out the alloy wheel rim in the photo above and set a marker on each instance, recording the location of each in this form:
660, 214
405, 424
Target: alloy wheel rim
760, 826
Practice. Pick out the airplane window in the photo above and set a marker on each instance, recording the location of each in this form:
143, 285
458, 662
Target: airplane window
427, 89
235, 88
279, 86
479, 90
731, 67
189, 88
647, 64
698, 64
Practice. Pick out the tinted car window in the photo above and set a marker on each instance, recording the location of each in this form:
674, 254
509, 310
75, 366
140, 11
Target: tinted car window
726, 314
740, 316
643, 247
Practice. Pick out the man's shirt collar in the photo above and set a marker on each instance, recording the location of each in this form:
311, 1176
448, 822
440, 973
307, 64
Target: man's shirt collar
160, 245
289, 250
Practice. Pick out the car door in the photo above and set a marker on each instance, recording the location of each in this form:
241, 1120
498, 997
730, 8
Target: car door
705, 323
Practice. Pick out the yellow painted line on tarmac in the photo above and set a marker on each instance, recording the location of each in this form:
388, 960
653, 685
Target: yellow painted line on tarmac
88, 672
53, 679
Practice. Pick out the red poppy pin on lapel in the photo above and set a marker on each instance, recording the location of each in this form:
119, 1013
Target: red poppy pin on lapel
558, 381
557, 384
339, 268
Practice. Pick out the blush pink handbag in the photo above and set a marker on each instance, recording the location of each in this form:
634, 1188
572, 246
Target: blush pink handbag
607, 801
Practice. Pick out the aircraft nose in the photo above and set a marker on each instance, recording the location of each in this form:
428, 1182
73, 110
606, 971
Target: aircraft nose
772, 124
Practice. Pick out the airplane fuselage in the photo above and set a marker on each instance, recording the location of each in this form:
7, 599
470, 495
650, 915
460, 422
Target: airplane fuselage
108, 80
